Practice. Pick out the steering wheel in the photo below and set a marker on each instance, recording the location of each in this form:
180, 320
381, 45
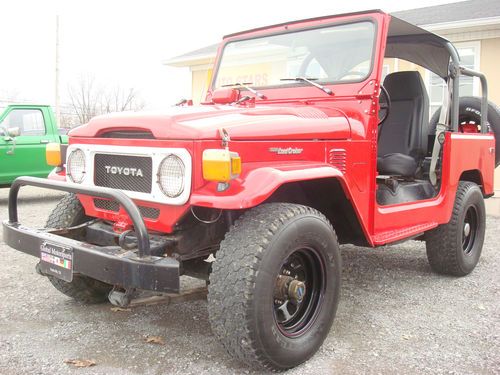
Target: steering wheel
384, 101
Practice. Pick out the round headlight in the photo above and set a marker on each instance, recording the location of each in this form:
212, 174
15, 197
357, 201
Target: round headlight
171, 176
76, 166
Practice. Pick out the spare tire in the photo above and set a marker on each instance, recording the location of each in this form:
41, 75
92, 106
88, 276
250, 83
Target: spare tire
469, 117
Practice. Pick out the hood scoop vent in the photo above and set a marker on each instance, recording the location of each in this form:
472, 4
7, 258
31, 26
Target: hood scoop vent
128, 134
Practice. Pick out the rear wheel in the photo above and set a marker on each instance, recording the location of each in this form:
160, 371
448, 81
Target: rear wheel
454, 248
69, 212
275, 284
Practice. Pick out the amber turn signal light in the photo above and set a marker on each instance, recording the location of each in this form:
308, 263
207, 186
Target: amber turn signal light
53, 154
221, 165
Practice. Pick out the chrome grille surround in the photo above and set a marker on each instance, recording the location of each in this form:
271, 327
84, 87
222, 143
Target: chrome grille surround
155, 154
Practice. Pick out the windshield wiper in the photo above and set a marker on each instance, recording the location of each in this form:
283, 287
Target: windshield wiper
245, 86
310, 81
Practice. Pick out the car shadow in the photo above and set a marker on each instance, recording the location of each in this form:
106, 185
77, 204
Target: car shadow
186, 329
382, 288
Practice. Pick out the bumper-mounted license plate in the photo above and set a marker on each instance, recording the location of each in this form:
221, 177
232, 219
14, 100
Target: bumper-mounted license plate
56, 260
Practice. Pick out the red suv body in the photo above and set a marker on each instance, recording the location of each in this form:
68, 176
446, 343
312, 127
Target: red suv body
301, 144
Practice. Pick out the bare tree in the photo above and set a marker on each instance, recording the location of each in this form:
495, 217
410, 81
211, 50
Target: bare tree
9, 96
87, 99
84, 99
119, 100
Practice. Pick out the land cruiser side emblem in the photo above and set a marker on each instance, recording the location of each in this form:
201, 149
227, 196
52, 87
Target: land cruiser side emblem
286, 151
136, 172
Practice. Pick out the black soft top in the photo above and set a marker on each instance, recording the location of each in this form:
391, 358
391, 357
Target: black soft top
419, 46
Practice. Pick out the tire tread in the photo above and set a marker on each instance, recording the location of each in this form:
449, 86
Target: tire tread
69, 212
235, 271
441, 241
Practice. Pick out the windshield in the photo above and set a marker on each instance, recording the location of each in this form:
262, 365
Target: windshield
329, 54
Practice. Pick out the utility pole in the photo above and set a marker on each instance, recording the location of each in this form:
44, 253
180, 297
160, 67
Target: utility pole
58, 107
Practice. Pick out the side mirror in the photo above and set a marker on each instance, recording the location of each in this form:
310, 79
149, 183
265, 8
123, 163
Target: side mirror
13, 132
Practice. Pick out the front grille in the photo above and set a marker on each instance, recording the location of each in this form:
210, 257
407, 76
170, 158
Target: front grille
149, 212
108, 205
114, 206
124, 172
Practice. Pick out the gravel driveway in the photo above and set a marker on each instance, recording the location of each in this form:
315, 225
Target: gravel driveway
395, 316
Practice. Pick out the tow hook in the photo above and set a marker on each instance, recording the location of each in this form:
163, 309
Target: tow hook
120, 297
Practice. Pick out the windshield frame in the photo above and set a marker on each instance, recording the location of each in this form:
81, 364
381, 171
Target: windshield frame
299, 29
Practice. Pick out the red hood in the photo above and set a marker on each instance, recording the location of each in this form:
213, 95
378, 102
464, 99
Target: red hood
204, 122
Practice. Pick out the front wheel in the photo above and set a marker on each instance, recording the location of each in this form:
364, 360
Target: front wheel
275, 285
69, 212
454, 248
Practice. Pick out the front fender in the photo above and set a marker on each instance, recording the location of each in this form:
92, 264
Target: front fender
259, 182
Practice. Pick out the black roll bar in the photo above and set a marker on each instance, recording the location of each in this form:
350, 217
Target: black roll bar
97, 191
455, 71
484, 95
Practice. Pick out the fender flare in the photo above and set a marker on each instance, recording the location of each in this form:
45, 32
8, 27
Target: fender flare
258, 184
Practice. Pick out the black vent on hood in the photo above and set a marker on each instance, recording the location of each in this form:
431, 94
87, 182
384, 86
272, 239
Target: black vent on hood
129, 134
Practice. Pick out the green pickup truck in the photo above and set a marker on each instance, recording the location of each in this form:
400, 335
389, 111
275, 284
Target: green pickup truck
25, 130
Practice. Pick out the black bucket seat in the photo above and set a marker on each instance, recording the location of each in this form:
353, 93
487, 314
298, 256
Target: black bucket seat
403, 136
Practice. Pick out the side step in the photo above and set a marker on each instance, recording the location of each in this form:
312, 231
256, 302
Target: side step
395, 235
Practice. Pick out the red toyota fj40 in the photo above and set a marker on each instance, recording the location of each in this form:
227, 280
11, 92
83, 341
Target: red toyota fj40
301, 145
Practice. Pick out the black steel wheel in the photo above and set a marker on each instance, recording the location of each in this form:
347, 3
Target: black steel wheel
299, 291
274, 286
455, 248
470, 229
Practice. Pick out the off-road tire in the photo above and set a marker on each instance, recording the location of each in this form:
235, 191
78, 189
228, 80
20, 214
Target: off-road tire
444, 244
69, 212
241, 302
470, 110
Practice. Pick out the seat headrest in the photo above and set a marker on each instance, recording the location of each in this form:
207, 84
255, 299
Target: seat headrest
405, 85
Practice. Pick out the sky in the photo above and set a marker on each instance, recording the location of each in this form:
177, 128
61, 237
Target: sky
123, 43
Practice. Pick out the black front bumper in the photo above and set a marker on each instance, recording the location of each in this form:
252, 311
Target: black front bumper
112, 265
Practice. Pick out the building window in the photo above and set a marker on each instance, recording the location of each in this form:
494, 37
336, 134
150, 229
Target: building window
469, 55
